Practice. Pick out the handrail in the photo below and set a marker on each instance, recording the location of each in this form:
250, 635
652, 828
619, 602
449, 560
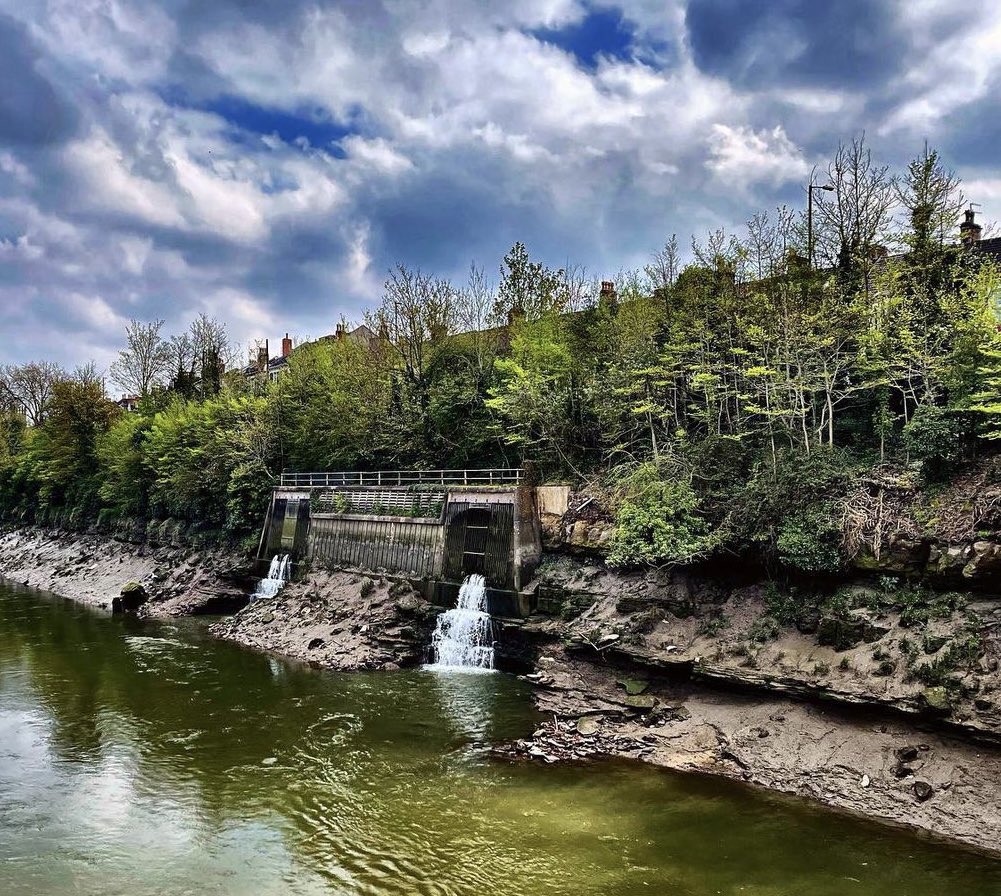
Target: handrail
497, 476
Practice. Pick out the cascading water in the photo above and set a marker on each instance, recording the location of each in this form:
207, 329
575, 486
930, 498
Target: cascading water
464, 637
277, 577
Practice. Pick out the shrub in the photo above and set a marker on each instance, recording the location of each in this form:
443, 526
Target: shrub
934, 437
659, 523
810, 541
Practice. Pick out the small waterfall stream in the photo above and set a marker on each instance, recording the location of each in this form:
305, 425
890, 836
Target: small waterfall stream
464, 637
278, 574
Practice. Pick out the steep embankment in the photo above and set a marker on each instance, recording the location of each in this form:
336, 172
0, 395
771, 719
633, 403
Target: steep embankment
93, 569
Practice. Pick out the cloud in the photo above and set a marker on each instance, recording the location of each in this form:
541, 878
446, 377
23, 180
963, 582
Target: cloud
268, 161
741, 157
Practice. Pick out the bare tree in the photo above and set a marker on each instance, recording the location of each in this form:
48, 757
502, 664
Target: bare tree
212, 352
854, 218
88, 375
574, 289
476, 302
145, 362
665, 266
29, 387
418, 312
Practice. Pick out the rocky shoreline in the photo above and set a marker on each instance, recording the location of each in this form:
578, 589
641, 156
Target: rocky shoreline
662, 667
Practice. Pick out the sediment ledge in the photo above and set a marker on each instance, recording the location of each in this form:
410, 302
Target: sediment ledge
93, 569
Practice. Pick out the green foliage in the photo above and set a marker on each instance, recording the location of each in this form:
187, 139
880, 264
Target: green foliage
790, 510
934, 437
810, 541
659, 522
764, 628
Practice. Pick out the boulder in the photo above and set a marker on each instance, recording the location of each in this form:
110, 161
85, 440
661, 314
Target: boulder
985, 563
922, 790
132, 597
840, 632
588, 536
936, 700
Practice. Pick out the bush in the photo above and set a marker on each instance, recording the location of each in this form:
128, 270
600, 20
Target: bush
790, 510
810, 542
934, 437
659, 523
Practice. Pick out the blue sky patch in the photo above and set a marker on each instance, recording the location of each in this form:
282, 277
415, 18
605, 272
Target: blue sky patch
603, 32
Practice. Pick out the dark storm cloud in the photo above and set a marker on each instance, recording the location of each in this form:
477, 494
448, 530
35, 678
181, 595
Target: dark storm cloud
267, 162
32, 111
852, 43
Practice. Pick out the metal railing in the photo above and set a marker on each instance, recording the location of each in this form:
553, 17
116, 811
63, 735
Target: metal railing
398, 478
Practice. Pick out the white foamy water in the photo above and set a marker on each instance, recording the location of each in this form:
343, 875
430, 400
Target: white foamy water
278, 574
463, 638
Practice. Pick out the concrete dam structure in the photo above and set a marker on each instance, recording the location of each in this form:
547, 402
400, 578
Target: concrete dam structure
432, 526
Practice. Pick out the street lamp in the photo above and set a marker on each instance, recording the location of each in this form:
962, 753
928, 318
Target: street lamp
809, 217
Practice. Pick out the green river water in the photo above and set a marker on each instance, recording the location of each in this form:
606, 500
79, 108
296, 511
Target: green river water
141, 758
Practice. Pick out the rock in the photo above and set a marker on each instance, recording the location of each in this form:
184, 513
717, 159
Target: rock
840, 632
900, 770
587, 725
759, 732
808, 620
936, 699
588, 536
133, 596
640, 701
267, 619
315, 644
865, 781
408, 605
933, 643
922, 790
985, 563
633, 686
907, 754
901, 555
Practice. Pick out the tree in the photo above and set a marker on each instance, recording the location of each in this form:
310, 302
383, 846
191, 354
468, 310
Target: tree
78, 417
30, 386
665, 266
528, 288
932, 199
145, 362
211, 353
853, 220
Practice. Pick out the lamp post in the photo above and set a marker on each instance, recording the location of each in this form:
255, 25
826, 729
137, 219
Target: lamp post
809, 217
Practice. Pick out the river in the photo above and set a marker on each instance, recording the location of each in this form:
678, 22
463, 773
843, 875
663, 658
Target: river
148, 758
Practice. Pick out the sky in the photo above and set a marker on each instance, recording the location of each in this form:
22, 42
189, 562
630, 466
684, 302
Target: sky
267, 161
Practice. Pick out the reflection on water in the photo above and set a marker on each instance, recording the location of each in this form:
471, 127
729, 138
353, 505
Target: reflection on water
145, 758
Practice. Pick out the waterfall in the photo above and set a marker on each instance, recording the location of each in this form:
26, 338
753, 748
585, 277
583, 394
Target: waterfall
464, 637
277, 577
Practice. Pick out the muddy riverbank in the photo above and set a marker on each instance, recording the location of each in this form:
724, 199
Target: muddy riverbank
637, 667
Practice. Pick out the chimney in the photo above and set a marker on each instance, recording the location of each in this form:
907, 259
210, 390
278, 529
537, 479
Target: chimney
969, 230
286, 346
607, 297
262, 356
340, 332
515, 314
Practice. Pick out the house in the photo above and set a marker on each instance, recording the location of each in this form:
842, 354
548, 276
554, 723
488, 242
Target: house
273, 367
129, 403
